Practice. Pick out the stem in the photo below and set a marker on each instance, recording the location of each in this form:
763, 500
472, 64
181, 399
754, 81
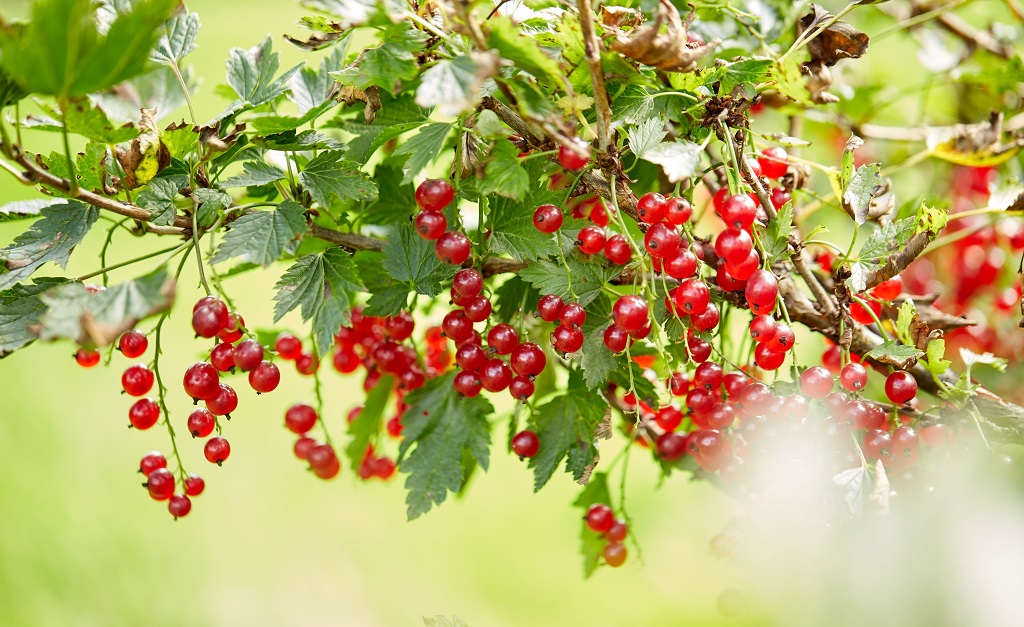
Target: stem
195, 244
917, 19
129, 262
804, 37
184, 89
881, 328
72, 178
593, 55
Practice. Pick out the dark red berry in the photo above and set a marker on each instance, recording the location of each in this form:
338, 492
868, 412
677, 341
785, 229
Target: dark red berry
430, 225
591, 240
222, 357
521, 388
525, 444
900, 387
616, 339
630, 312
207, 322
137, 380
600, 518
288, 346
550, 307
160, 484
248, 355
201, 422
233, 328
467, 383
567, 339
528, 359
453, 248
548, 218
470, 357
144, 413
153, 460
651, 207
457, 326
179, 506
853, 377
495, 375
574, 158
477, 308
264, 378
434, 194
306, 363
573, 314
217, 450
618, 250
223, 402
133, 344
300, 418
502, 338
201, 381
87, 358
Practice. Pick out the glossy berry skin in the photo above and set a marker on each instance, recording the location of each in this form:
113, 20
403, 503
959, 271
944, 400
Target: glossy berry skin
521, 388
457, 326
217, 450
179, 506
528, 360
762, 288
591, 240
614, 554
153, 460
248, 355
733, 246
133, 344
630, 312
682, 265
434, 194
600, 518
87, 358
877, 445
495, 375
707, 319
470, 357
430, 225
222, 357
762, 328
780, 197
400, 327
264, 377
224, 402
617, 250
816, 382
767, 359
453, 248
207, 322
160, 484
144, 413
711, 449
201, 381
300, 418
651, 207
288, 346
550, 308
773, 162
137, 380
900, 387
739, 211
502, 338
467, 282
477, 308
571, 159
303, 446
548, 218
661, 241
670, 446
668, 417
853, 377
678, 211
467, 383
618, 532
567, 339
744, 269
525, 444
888, 290
782, 340
201, 422
573, 315
693, 296
233, 329
616, 339
306, 364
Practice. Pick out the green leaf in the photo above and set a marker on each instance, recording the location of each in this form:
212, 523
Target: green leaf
523, 51
971, 359
61, 53
51, 238
10, 91
389, 63
513, 298
410, 259
646, 135
439, 428
262, 236
328, 176
398, 204
388, 301
100, 318
513, 233
453, 86
20, 308
775, 236
886, 240
366, 426
751, 71
935, 353
790, 81
592, 543
424, 148
251, 73
256, 173
84, 118
178, 38
489, 125
323, 285
25, 209
904, 318
504, 175
644, 389
158, 198
892, 352
931, 219
846, 171
91, 167
679, 159
565, 426
587, 278
857, 195
273, 123
597, 361
311, 88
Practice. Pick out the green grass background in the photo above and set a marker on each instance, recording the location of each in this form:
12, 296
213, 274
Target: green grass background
82, 544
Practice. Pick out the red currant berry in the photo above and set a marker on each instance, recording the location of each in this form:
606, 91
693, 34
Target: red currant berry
904, 443
179, 506
782, 340
453, 248
743, 270
600, 518
762, 328
201, 381
617, 250
288, 346
678, 211
678, 384
652, 207
739, 211
616, 339
233, 329
467, 383
525, 444
137, 380
160, 484
434, 194
733, 246
300, 418
591, 240
682, 265
614, 554
224, 402
457, 326
767, 359
153, 460
709, 376
470, 357
201, 422
194, 485
900, 387
144, 413
548, 218
780, 197
877, 445
430, 225
630, 312
87, 358
700, 401
661, 241
668, 417
549, 308
217, 450
265, 377
618, 531
853, 377
394, 427
762, 288
773, 162
816, 382
384, 468
521, 388
495, 375
248, 355
711, 449
400, 326
307, 363
707, 319
207, 322
692, 296
567, 339
574, 158
528, 360
888, 290
467, 282
699, 349
573, 315
133, 344
670, 446
222, 357
502, 338
477, 308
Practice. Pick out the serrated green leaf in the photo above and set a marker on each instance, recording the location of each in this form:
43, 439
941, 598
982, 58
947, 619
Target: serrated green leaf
523, 51
566, 425
388, 301
621, 377
439, 427
366, 426
100, 318
504, 175
935, 353
20, 308
894, 353
646, 135
91, 167
387, 64
790, 81
26, 209
290, 141
513, 233
490, 126
329, 176
737, 73
256, 173
633, 105
587, 278
323, 286
251, 73
931, 219
452, 85
513, 298
597, 361
51, 238
678, 159
775, 236
861, 188
846, 170
311, 88
180, 140
84, 118
410, 259
262, 236
886, 240
592, 544
905, 316
397, 205
423, 148
158, 198
178, 38
274, 123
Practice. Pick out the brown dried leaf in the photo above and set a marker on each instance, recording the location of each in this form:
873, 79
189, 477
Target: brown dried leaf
668, 51
209, 136
145, 156
819, 79
349, 94
839, 41
620, 16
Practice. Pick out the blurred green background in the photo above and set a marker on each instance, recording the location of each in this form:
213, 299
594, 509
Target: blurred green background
82, 544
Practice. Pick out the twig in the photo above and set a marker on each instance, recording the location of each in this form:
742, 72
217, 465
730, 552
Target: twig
593, 56
900, 259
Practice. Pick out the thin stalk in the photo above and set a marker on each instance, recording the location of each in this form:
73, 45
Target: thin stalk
129, 262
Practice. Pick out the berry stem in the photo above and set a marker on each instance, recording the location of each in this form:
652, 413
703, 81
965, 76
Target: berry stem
129, 262
881, 328
161, 391
195, 245
318, 393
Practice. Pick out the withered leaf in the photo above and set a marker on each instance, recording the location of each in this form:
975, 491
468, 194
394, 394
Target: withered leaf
667, 51
838, 41
146, 155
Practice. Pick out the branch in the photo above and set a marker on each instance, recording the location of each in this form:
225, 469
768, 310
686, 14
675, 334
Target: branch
973, 36
899, 260
593, 56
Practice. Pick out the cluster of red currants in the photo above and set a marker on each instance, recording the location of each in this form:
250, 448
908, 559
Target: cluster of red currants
432, 196
599, 518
